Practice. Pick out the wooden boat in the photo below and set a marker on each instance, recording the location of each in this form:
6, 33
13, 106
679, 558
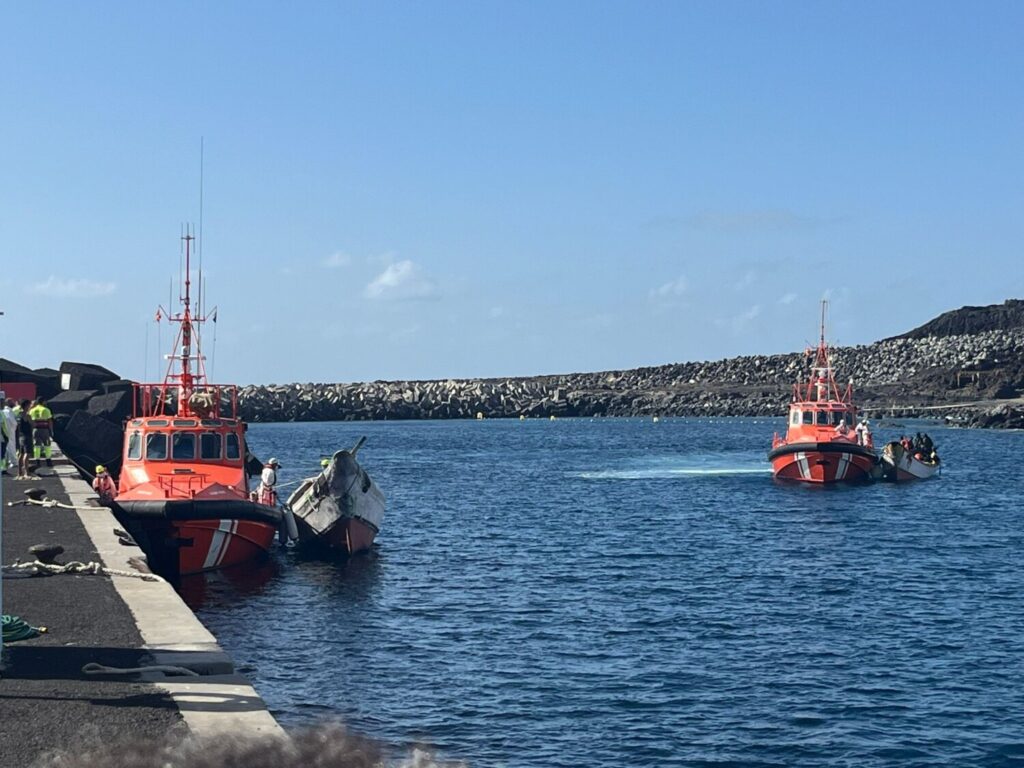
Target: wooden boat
821, 444
900, 465
183, 490
341, 508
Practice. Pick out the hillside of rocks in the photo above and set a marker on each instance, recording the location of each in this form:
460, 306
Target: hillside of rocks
909, 372
975, 378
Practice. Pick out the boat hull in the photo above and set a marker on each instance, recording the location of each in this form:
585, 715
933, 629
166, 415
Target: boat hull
899, 466
341, 508
823, 463
185, 536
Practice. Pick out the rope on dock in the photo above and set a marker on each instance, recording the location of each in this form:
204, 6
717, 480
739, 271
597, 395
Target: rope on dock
37, 568
51, 503
93, 668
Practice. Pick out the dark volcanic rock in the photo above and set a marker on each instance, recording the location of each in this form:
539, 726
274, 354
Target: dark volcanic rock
89, 440
969, 320
85, 375
71, 401
114, 407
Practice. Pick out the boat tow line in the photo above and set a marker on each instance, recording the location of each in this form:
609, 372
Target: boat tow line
37, 568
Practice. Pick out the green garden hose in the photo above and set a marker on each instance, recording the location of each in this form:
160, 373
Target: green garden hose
15, 629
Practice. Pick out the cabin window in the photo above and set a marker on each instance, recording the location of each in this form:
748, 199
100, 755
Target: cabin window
808, 417
135, 446
183, 446
231, 446
156, 446
794, 418
209, 445
184, 423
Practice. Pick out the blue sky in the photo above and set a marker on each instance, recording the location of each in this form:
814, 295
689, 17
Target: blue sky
431, 190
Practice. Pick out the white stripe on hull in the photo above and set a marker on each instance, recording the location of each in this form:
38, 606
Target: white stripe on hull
219, 543
801, 462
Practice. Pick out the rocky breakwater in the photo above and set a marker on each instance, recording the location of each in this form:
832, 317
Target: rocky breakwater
900, 372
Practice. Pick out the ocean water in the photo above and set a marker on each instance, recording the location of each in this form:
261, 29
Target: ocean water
628, 593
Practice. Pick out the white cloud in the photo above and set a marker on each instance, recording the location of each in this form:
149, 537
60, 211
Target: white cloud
671, 289
743, 319
399, 281
789, 298
338, 259
78, 288
746, 281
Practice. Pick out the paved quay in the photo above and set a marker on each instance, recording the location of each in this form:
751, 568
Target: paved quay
46, 701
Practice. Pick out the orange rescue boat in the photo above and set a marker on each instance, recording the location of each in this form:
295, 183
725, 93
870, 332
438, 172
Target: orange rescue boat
821, 443
183, 490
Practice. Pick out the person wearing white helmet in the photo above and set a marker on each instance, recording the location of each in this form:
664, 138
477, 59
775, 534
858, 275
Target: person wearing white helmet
104, 486
266, 494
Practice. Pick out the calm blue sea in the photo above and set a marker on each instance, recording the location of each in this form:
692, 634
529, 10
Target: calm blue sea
619, 592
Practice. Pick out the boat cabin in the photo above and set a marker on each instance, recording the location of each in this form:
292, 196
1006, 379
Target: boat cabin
821, 414
184, 453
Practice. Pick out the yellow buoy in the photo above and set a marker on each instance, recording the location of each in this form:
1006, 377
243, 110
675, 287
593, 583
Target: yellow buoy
522, 417
655, 419
552, 417
479, 415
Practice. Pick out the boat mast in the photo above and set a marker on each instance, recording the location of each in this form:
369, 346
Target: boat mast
185, 380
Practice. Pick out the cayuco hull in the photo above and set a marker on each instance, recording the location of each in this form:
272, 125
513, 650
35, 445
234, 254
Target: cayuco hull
341, 508
900, 465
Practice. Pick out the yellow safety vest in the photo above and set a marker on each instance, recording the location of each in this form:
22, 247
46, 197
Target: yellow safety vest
40, 416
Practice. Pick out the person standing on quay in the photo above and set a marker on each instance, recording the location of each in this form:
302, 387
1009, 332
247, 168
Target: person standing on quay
42, 431
9, 428
24, 440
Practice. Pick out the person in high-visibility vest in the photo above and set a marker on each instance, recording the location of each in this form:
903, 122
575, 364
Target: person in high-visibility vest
42, 431
104, 486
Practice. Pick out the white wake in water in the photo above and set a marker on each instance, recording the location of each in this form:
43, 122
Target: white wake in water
713, 465
654, 474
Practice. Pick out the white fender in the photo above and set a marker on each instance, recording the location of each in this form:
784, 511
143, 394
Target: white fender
289, 524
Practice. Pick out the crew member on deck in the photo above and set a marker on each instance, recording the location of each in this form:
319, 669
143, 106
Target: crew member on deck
325, 463
841, 427
104, 486
266, 495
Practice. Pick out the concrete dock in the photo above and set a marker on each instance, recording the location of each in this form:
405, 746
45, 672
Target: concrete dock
47, 702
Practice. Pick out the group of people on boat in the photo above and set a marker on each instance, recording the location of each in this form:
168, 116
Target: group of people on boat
27, 432
921, 447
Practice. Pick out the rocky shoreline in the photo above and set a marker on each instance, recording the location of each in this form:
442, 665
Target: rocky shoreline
908, 376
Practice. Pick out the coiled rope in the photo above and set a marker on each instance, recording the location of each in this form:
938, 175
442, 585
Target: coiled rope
15, 629
37, 568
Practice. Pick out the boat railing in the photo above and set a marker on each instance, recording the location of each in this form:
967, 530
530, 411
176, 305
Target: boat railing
184, 484
211, 401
